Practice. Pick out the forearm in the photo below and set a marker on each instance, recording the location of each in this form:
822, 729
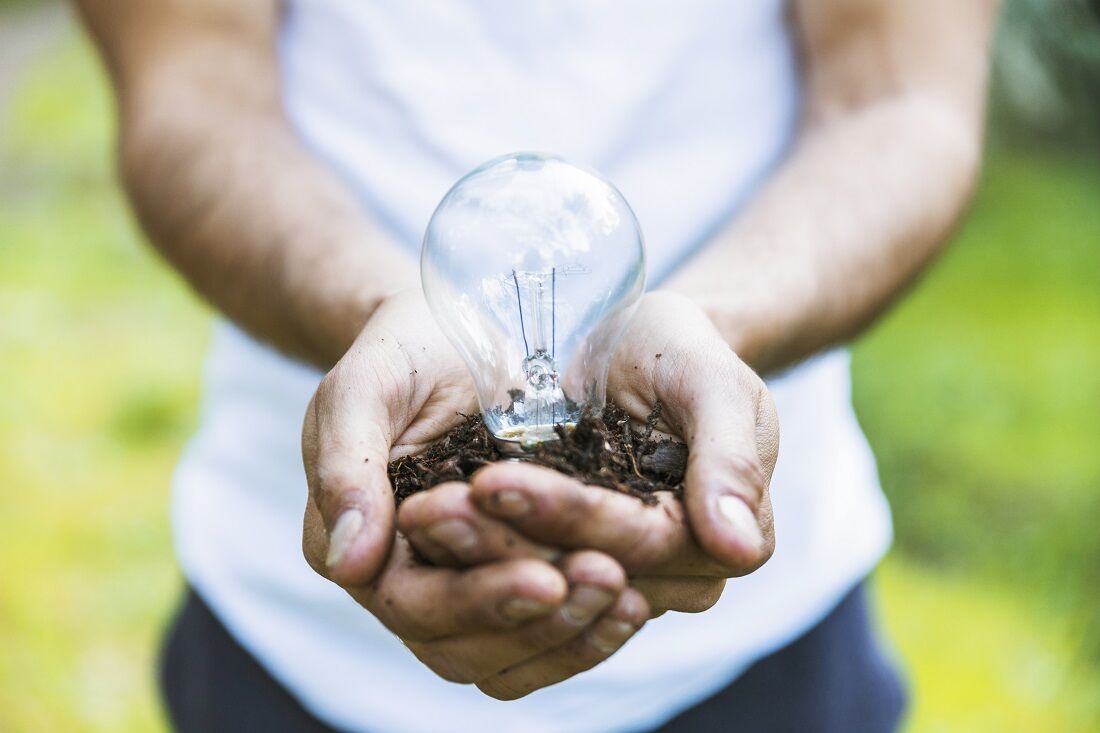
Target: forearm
884, 164
221, 184
859, 208
258, 227
256, 224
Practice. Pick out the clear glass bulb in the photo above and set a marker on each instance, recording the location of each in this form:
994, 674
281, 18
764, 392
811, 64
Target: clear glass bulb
532, 267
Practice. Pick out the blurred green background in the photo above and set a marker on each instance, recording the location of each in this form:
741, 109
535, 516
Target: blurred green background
980, 393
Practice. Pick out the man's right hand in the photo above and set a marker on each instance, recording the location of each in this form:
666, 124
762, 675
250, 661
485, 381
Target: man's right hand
529, 619
398, 388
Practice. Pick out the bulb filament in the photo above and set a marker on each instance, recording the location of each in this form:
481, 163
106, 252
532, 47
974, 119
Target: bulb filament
541, 395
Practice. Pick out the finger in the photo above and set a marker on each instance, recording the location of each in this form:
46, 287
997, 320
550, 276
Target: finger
683, 594
421, 603
344, 448
446, 527
603, 639
552, 508
731, 454
595, 583
673, 354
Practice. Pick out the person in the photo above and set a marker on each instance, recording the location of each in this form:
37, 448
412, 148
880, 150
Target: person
793, 168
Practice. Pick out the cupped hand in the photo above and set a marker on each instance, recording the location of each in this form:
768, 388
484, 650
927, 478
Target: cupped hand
399, 387
678, 554
511, 624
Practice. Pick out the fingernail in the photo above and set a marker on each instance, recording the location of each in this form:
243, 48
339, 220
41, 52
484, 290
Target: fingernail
455, 534
347, 526
741, 518
584, 603
521, 609
610, 634
511, 503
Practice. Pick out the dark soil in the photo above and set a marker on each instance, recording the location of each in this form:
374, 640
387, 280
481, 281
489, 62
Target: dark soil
601, 450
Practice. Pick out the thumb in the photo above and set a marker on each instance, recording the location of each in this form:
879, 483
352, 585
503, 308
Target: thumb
721, 408
732, 448
349, 519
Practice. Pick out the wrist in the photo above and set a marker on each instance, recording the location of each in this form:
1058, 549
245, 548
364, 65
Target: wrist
735, 322
738, 326
389, 274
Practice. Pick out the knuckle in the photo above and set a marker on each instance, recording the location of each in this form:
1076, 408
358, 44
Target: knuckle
651, 538
450, 499
749, 475
401, 620
570, 507
592, 652
441, 502
411, 514
404, 629
633, 607
604, 639
594, 568
657, 544
539, 637
474, 602
584, 500
392, 389
337, 491
395, 377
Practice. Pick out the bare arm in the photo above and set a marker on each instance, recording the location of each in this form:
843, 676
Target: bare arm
880, 171
883, 166
274, 241
227, 194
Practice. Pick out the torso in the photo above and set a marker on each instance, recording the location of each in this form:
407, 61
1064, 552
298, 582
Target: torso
686, 108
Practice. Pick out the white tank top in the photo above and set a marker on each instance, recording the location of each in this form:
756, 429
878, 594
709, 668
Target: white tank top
686, 106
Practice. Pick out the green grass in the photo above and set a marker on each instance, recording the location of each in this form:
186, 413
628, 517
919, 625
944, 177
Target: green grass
981, 657
101, 347
980, 394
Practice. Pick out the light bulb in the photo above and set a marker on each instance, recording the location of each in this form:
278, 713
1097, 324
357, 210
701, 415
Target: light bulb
532, 268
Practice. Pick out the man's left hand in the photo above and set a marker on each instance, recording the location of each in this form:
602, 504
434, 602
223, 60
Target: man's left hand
678, 554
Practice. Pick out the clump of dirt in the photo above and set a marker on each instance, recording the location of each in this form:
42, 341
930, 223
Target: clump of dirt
602, 450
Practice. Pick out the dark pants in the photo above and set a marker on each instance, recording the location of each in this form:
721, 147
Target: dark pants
833, 679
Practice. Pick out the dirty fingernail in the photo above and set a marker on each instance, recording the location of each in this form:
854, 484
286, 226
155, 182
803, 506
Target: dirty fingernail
610, 634
521, 609
455, 534
347, 526
741, 518
511, 503
584, 603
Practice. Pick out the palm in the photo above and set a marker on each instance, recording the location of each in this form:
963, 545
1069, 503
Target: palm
451, 397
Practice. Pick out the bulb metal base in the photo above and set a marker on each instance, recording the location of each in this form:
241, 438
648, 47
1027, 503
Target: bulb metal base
521, 441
